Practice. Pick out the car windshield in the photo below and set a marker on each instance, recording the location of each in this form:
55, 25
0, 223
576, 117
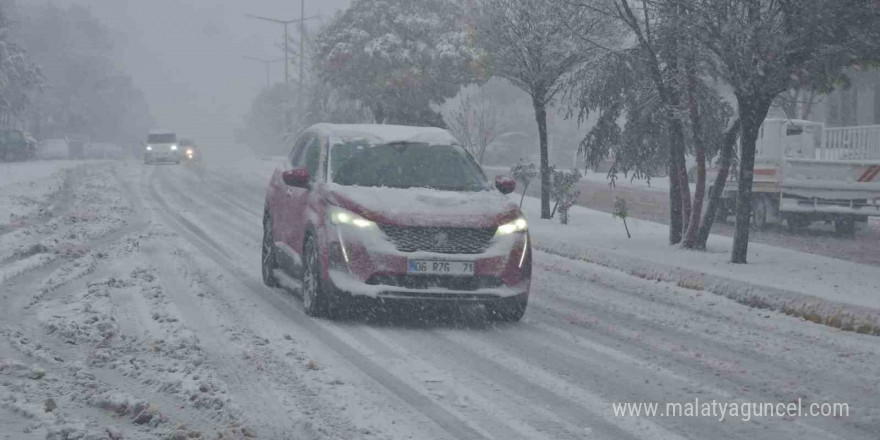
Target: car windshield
405, 165
162, 138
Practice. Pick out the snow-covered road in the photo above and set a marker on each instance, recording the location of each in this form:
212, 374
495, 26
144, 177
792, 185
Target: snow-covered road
145, 316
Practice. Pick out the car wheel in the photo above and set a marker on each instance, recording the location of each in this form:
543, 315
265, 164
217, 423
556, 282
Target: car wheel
507, 309
267, 261
315, 296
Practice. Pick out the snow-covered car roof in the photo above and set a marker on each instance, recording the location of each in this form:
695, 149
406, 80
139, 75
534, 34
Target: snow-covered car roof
161, 132
384, 134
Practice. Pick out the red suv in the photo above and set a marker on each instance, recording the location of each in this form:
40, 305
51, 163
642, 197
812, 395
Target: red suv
393, 213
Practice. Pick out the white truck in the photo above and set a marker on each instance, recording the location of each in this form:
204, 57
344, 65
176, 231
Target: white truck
807, 172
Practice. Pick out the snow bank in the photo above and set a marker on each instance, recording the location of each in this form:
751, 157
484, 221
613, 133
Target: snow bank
820, 289
25, 187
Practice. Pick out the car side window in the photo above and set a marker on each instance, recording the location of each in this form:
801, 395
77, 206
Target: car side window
295, 158
312, 156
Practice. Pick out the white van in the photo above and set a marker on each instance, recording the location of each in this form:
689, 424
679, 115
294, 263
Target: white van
161, 146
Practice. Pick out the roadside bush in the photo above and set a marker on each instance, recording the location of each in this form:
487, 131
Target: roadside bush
564, 192
524, 173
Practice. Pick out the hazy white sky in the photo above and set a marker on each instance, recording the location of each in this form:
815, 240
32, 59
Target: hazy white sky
186, 55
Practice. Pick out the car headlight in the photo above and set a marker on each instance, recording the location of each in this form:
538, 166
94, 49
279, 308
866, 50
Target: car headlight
517, 225
174, 148
340, 216
149, 148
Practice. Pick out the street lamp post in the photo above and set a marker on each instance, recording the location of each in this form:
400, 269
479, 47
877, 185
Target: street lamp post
267, 63
302, 38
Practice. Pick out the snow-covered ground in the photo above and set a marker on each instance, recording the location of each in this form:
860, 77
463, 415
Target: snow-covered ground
25, 188
149, 320
596, 234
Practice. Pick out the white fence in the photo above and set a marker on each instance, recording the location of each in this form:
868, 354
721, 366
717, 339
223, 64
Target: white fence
850, 143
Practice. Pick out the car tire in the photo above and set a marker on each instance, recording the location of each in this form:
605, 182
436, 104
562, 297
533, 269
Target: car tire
268, 262
507, 309
315, 294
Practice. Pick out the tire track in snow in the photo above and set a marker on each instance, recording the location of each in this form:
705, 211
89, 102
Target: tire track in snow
631, 312
448, 421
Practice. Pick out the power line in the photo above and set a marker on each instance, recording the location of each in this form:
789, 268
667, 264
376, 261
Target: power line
286, 49
268, 64
301, 20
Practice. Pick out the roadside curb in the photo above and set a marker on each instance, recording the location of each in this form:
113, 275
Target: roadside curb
846, 317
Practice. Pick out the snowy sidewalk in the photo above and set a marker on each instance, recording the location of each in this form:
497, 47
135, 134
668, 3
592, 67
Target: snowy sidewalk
821, 289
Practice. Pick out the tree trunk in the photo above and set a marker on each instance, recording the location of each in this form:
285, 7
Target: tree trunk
727, 150
680, 167
541, 117
693, 225
675, 217
679, 190
752, 111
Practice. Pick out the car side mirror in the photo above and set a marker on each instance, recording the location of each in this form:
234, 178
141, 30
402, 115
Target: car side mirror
505, 184
298, 177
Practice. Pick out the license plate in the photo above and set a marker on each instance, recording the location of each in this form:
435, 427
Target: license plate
440, 267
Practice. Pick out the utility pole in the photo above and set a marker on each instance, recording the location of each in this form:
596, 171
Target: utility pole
302, 52
268, 64
286, 23
301, 20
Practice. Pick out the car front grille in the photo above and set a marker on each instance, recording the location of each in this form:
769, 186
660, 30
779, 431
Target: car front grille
440, 240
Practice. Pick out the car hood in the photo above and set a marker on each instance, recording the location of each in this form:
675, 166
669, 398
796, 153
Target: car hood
424, 206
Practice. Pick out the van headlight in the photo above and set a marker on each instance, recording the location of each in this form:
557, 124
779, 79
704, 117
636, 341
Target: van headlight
149, 148
518, 225
174, 148
339, 216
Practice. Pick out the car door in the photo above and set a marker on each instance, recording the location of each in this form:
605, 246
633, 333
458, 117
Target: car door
297, 199
281, 211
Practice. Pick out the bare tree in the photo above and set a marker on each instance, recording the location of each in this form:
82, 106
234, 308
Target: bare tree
474, 122
797, 103
530, 43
